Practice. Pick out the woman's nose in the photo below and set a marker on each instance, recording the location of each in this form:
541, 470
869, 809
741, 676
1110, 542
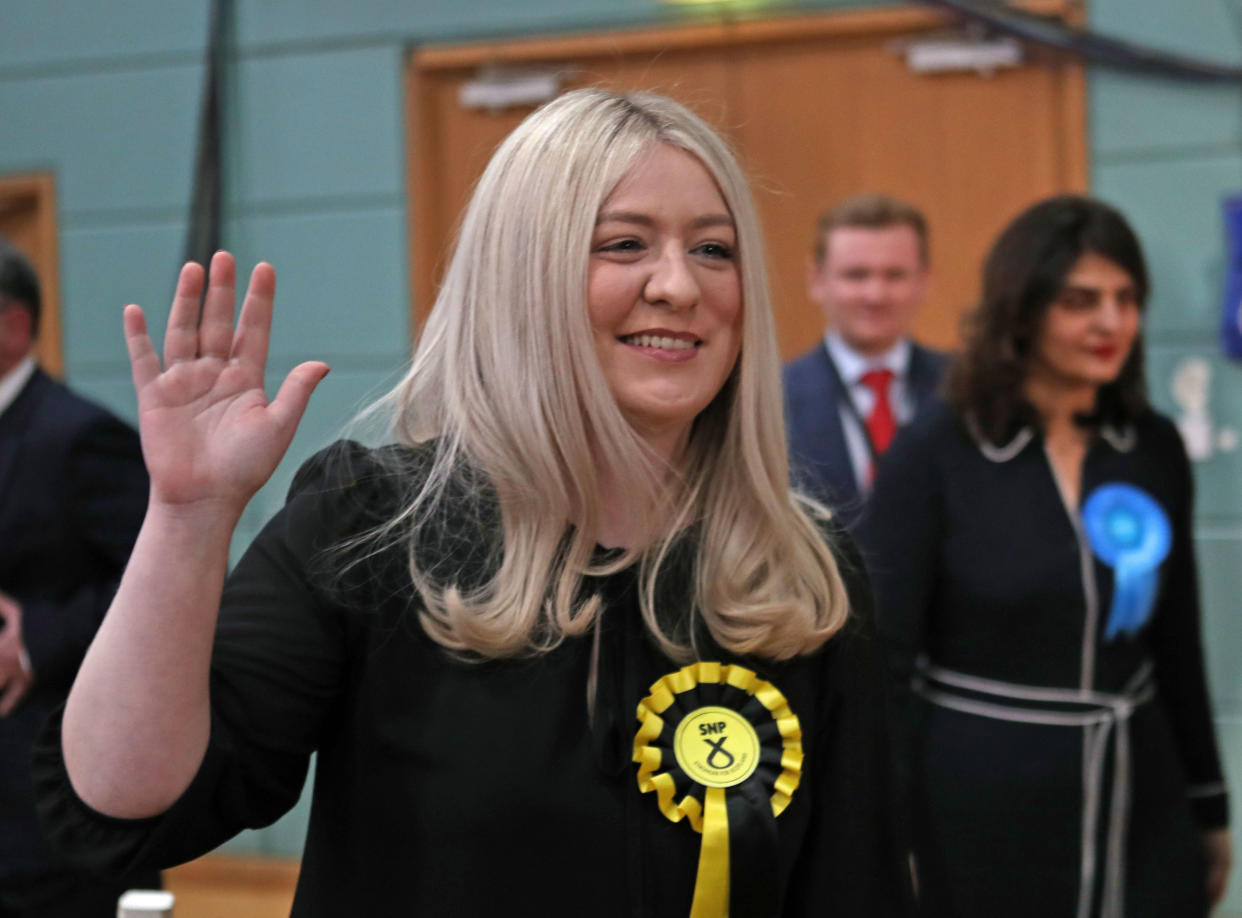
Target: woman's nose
1111, 313
672, 282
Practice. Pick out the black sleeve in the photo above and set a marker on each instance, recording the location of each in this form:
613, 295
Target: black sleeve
106, 499
854, 863
1177, 648
901, 533
278, 665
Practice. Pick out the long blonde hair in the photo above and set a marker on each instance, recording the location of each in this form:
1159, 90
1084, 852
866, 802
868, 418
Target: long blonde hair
505, 381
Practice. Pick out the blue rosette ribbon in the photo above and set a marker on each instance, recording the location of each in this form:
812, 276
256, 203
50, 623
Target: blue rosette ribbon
1130, 532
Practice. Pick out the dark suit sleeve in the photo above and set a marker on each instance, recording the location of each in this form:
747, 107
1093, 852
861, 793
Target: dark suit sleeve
819, 459
1177, 648
105, 501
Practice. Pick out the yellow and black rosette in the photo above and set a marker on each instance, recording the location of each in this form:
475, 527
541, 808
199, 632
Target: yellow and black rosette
721, 748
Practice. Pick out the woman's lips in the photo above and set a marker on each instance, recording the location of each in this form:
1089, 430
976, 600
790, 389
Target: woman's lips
673, 347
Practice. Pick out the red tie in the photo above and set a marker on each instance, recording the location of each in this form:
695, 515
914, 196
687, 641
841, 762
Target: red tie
881, 425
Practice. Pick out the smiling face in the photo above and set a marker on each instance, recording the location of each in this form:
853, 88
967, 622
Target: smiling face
869, 284
1088, 331
664, 294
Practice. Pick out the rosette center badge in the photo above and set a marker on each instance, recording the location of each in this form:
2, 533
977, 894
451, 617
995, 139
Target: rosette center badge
716, 747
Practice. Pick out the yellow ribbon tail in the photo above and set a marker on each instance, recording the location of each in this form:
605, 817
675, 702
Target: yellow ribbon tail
711, 886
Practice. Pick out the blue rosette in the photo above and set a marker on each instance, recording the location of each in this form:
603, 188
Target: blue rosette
1130, 532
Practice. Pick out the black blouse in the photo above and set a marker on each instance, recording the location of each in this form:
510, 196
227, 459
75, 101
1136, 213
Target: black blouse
444, 786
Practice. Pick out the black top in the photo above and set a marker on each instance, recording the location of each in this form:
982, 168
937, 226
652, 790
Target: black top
978, 564
459, 788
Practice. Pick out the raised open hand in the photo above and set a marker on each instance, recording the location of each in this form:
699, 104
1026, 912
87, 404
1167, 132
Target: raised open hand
210, 436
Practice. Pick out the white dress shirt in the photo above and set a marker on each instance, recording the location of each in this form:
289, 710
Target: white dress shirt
15, 380
851, 366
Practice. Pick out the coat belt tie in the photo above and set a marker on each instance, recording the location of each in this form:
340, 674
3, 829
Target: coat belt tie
1102, 716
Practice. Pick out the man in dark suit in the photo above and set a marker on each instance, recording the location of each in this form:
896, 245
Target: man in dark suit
847, 396
73, 491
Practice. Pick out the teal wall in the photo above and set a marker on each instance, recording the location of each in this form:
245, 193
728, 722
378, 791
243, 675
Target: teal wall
106, 95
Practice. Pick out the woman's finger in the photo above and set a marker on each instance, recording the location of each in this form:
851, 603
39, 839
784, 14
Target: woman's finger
143, 361
290, 402
181, 338
215, 329
254, 327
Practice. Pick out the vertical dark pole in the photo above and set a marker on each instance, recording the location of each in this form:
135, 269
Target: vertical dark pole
203, 236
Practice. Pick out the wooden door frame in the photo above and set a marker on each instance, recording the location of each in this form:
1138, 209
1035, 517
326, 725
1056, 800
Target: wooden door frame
423, 63
37, 191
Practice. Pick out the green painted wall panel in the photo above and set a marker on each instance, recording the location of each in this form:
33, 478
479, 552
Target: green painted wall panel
341, 283
1135, 116
317, 20
102, 269
1221, 577
1202, 28
1130, 114
318, 125
283, 21
1171, 375
48, 33
1175, 208
116, 140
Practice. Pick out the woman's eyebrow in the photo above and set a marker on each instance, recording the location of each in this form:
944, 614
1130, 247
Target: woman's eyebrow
627, 216
623, 216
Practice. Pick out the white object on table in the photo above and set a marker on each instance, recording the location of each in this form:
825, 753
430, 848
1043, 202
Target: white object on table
145, 903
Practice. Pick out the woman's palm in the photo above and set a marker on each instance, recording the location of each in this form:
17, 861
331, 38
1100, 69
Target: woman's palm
209, 432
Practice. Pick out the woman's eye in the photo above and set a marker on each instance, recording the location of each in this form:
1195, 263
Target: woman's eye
715, 250
621, 245
1077, 299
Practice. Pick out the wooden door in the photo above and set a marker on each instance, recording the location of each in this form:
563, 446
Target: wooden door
818, 107
28, 220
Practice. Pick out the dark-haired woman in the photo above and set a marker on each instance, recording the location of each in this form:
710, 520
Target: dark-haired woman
1032, 553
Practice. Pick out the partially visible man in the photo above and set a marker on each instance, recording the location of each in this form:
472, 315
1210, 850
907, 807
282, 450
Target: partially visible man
73, 491
847, 396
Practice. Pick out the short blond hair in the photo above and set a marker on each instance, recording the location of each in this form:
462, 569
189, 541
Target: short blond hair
871, 211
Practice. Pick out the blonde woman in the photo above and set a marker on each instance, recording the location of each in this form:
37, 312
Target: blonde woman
566, 645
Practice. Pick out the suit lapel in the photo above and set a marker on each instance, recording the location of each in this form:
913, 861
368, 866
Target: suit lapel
924, 377
827, 440
14, 422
